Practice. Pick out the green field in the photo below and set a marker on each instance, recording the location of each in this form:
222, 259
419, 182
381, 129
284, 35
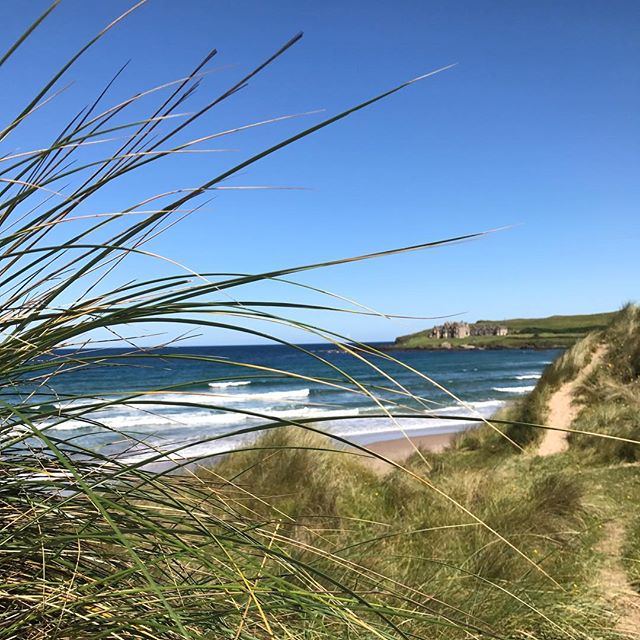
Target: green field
537, 333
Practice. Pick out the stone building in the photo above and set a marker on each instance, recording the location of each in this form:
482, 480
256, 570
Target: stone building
464, 330
451, 330
461, 330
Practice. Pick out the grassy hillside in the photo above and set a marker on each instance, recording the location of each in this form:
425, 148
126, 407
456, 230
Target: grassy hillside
412, 541
485, 539
610, 394
539, 333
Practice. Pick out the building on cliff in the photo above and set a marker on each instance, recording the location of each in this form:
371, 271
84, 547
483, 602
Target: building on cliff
450, 330
465, 330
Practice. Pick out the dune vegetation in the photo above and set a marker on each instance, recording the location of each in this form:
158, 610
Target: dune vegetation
609, 393
490, 538
293, 536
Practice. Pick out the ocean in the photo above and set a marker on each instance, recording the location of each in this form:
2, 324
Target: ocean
199, 401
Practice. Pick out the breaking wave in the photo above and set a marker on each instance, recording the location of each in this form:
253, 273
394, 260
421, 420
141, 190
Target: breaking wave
132, 419
514, 389
224, 385
267, 395
147, 400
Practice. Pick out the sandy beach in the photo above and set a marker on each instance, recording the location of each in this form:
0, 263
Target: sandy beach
395, 449
399, 449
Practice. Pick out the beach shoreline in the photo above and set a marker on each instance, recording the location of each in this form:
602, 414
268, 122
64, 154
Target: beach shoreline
398, 450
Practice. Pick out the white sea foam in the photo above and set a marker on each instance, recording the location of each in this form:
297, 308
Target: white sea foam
211, 398
224, 385
148, 400
307, 412
487, 404
529, 376
514, 389
265, 396
196, 450
68, 405
427, 421
353, 427
136, 420
131, 419
378, 426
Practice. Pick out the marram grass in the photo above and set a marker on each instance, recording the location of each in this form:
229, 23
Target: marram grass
90, 547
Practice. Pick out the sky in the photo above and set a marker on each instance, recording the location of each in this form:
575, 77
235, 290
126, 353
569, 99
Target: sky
534, 132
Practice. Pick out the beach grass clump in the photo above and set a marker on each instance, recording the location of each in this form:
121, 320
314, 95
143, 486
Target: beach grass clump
617, 380
144, 556
445, 540
541, 502
533, 409
619, 424
96, 542
623, 345
474, 544
501, 436
299, 478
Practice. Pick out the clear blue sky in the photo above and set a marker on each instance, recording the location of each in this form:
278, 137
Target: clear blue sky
536, 127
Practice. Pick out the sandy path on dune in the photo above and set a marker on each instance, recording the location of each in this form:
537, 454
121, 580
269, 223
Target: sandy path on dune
563, 409
614, 582
612, 578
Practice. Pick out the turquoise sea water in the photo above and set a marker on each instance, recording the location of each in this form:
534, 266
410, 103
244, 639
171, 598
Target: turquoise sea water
203, 395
